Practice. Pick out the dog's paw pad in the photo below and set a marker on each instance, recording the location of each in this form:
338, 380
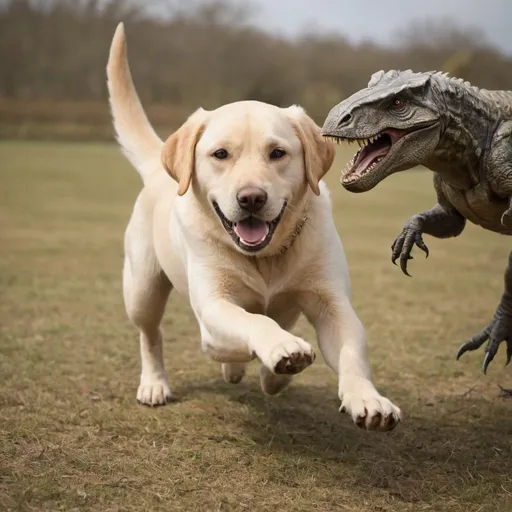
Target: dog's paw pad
294, 363
292, 357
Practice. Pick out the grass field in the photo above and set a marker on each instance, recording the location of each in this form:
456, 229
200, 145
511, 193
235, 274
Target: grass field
74, 438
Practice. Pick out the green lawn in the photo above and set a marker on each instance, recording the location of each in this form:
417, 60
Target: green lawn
74, 438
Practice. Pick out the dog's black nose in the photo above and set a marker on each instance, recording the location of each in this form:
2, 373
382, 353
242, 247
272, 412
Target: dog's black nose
251, 199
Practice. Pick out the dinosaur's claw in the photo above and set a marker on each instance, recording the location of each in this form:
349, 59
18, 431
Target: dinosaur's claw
507, 215
402, 246
403, 263
421, 244
487, 359
475, 342
497, 332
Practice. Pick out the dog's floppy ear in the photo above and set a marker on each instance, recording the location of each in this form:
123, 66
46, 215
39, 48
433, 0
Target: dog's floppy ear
179, 151
318, 152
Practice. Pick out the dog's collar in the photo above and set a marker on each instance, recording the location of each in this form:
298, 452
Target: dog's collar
296, 232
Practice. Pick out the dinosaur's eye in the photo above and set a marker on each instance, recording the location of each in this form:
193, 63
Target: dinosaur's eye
397, 104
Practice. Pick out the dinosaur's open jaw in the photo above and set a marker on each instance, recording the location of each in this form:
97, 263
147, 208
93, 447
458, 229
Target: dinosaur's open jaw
372, 152
251, 234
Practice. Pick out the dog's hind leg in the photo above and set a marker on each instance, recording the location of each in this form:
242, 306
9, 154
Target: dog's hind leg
233, 372
146, 290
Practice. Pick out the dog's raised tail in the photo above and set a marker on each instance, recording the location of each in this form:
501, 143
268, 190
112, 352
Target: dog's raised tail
139, 142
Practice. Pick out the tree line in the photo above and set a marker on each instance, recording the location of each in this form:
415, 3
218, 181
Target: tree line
206, 53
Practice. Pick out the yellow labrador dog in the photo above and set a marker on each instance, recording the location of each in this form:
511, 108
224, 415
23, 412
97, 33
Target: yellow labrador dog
234, 216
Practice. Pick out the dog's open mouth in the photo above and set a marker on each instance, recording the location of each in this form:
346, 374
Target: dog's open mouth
251, 234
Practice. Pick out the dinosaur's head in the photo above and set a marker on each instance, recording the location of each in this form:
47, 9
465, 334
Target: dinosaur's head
396, 122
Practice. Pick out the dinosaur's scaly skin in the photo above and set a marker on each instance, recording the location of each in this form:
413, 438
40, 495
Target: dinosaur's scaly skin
464, 135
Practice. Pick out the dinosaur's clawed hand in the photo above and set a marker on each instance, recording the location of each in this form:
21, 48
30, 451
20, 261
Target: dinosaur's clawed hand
498, 331
402, 246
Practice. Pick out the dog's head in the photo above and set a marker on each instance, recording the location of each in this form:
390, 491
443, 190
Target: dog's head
251, 164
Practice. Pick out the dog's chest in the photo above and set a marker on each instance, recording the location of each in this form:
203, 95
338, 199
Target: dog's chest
271, 281
269, 291
281, 307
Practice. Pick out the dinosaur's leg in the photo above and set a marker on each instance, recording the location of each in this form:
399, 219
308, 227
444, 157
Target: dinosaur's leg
500, 328
440, 221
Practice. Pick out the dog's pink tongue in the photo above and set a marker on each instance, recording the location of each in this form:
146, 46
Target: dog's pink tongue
251, 231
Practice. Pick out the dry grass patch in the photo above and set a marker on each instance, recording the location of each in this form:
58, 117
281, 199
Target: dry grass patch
74, 438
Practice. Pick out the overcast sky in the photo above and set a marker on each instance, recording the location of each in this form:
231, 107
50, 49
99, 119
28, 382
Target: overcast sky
381, 19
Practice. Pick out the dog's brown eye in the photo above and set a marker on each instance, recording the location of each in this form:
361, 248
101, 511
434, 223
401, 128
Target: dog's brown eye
277, 153
221, 154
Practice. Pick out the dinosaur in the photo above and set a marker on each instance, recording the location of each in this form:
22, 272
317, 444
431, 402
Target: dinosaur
460, 132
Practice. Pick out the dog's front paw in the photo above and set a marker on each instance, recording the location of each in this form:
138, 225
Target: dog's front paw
154, 390
289, 356
368, 409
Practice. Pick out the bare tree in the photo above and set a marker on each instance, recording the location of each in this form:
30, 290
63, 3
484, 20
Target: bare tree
206, 52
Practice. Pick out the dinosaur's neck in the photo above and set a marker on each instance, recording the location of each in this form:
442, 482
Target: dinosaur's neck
468, 124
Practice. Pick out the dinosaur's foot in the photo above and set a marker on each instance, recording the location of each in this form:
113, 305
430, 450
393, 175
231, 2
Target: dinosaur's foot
402, 246
497, 332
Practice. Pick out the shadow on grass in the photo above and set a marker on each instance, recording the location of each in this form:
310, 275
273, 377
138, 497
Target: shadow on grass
458, 445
